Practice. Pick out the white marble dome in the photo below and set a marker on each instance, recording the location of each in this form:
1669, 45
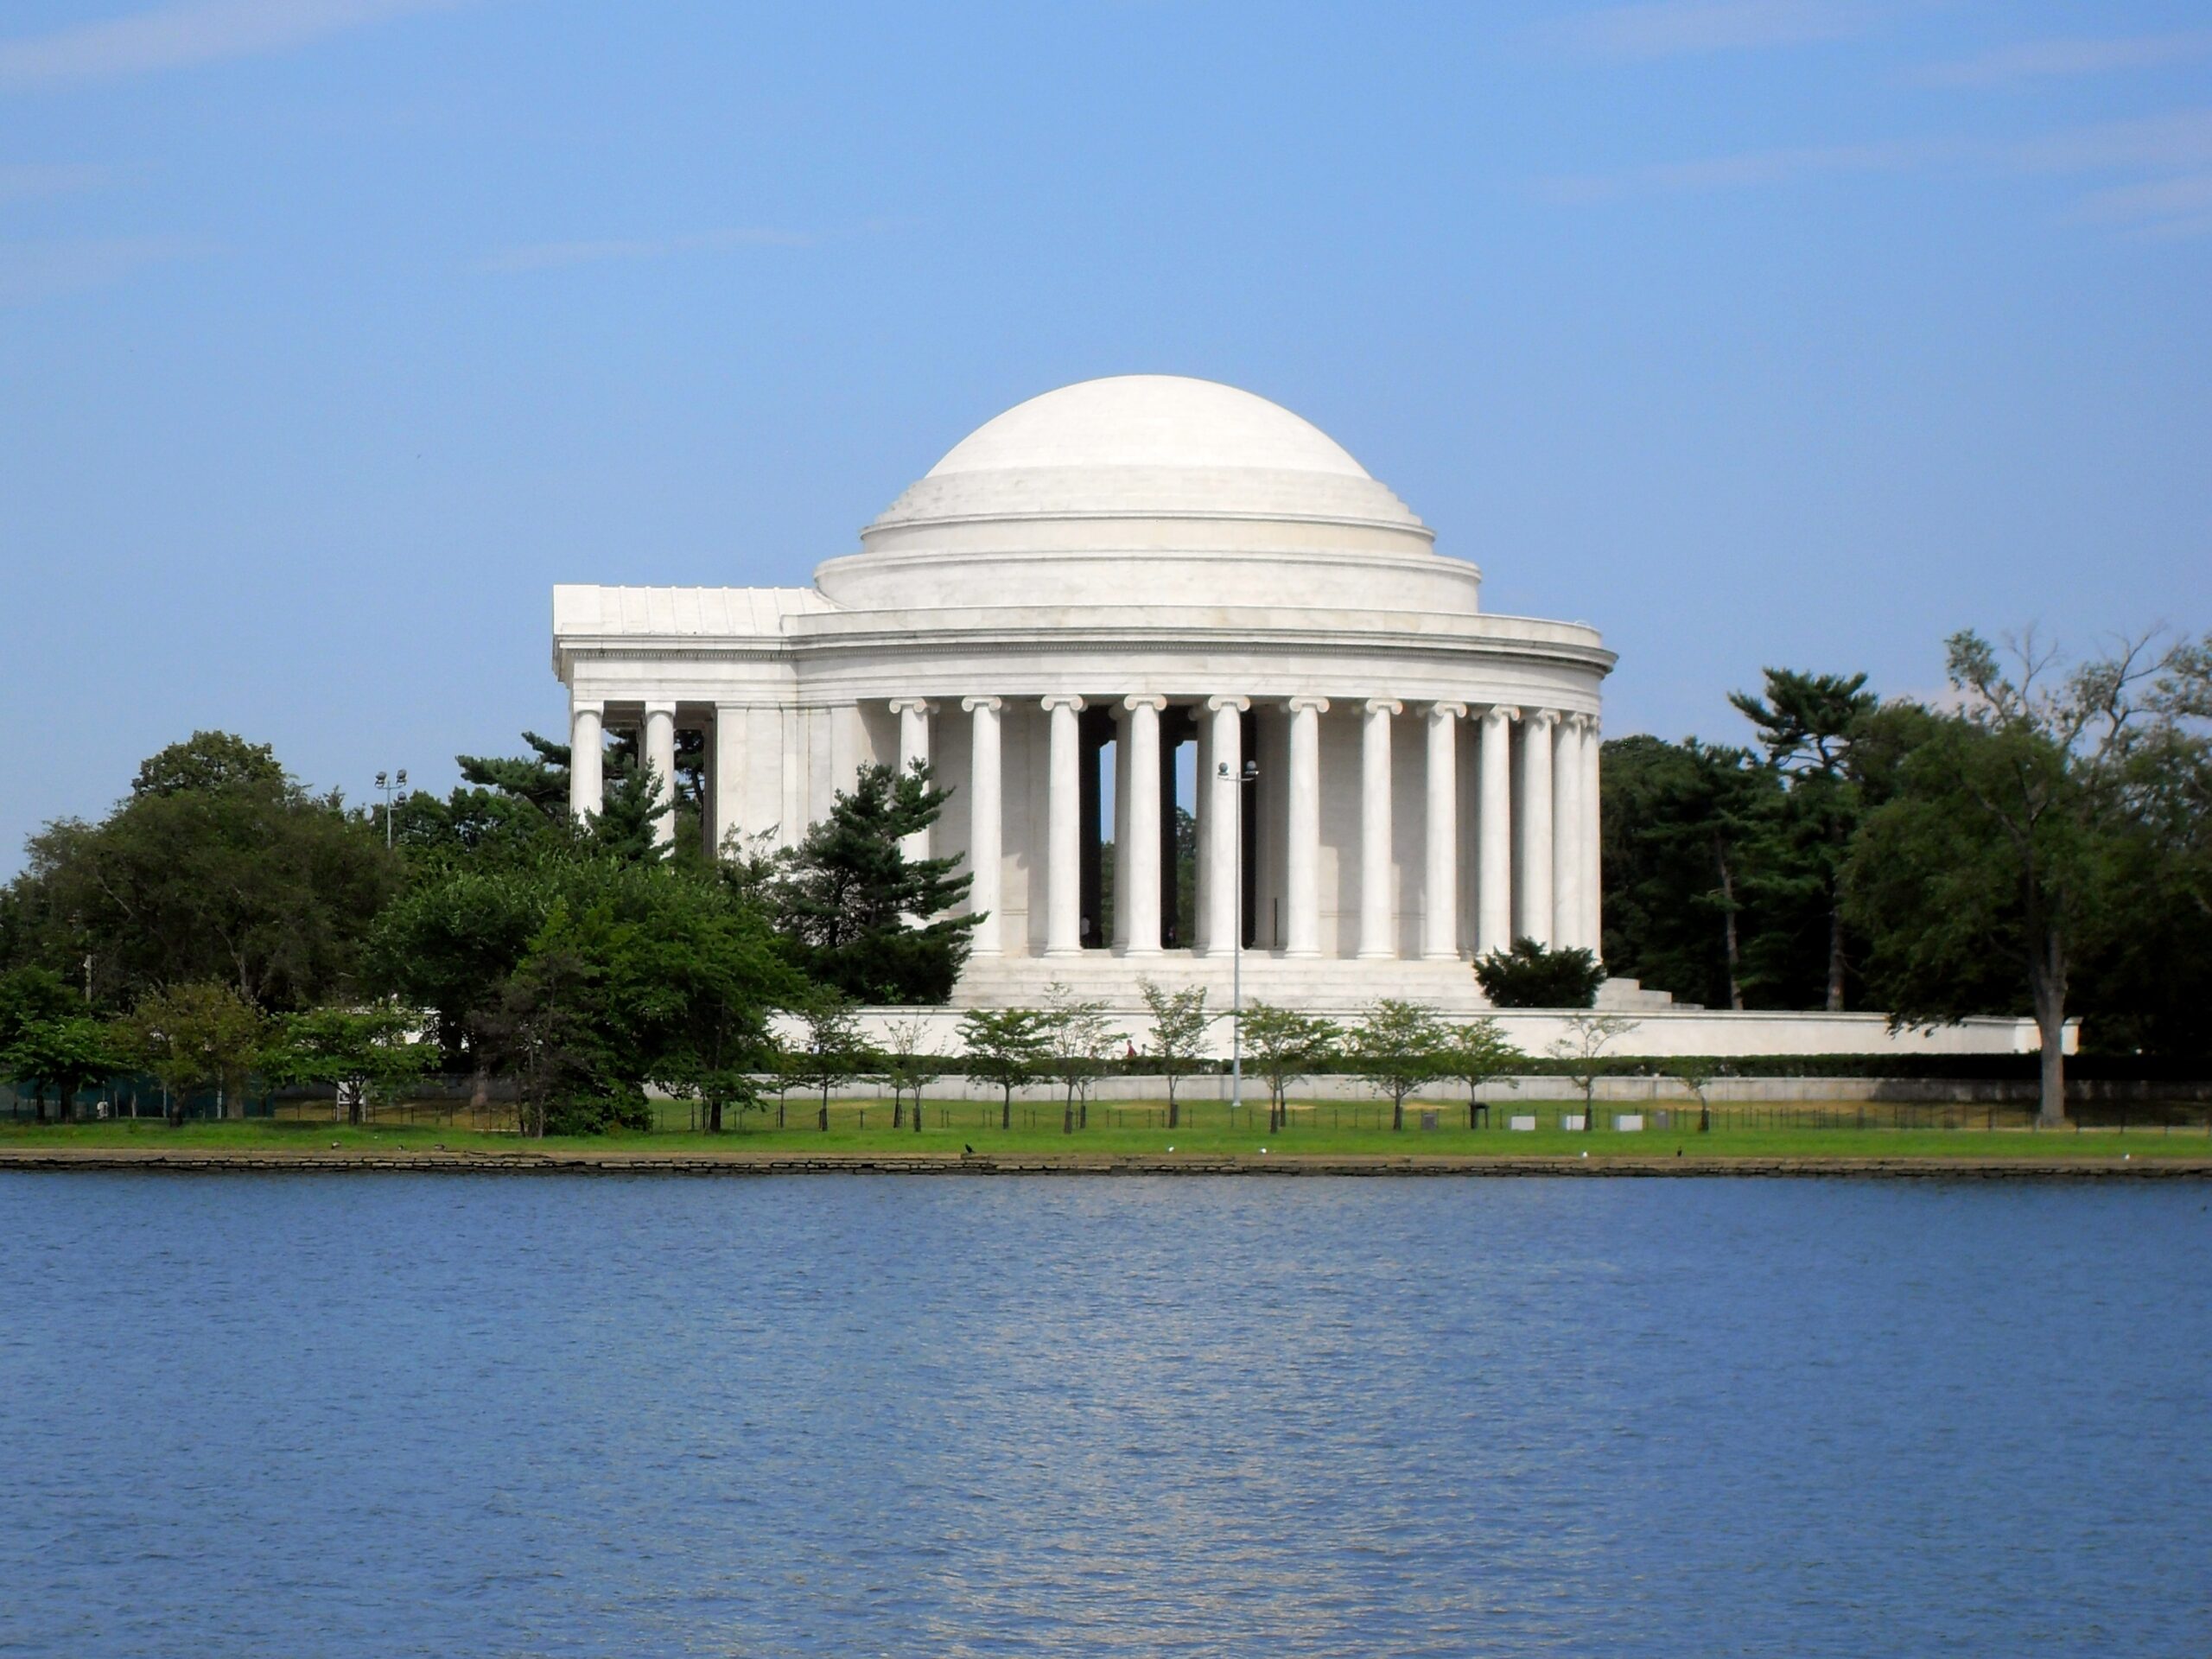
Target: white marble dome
1153, 485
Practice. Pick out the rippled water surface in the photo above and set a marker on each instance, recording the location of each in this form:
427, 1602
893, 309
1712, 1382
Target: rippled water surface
374, 1415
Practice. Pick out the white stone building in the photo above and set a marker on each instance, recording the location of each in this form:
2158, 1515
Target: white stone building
1080, 588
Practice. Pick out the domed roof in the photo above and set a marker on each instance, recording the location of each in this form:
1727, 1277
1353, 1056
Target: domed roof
1177, 490
1149, 420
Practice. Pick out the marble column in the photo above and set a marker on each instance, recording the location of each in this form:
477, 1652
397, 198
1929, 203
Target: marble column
1493, 850
1302, 842
913, 745
1224, 880
587, 758
1532, 912
986, 858
1440, 890
1063, 830
1567, 832
1143, 864
1378, 918
1594, 919
658, 751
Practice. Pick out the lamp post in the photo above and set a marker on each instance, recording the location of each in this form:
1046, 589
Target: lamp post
1248, 774
390, 785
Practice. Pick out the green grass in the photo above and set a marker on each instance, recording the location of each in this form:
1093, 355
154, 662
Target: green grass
1784, 1136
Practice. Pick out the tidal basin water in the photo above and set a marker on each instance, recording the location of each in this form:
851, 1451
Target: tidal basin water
379, 1414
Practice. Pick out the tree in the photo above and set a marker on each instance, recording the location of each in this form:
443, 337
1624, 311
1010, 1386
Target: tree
451, 942
698, 977
1533, 975
1808, 724
67, 1055
835, 1053
1285, 1044
1007, 1047
367, 1054
547, 1028
30, 999
1179, 1030
1685, 827
1696, 1072
2019, 842
1397, 1046
1475, 1052
910, 1064
1581, 1048
1080, 1047
866, 919
196, 1036
218, 866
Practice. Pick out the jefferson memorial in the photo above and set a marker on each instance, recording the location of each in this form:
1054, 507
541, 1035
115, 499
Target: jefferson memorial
1385, 782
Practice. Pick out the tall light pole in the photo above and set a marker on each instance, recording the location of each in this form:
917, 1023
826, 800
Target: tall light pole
1247, 773
391, 785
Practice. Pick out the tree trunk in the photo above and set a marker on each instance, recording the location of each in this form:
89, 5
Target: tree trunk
1730, 942
917, 1111
1398, 1113
1006, 1111
1171, 1113
714, 1116
2047, 980
1836, 959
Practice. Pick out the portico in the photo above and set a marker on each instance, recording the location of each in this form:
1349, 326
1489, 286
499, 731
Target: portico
1177, 578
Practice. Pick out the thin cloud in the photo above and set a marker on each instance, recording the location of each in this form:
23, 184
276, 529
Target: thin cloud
554, 255
178, 35
2053, 59
30, 271
2170, 157
1660, 29
1748, 169
24, 181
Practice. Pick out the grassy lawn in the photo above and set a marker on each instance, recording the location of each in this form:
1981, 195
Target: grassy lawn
1782, 1134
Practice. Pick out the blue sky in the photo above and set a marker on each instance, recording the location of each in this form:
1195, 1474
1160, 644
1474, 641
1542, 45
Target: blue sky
334, 332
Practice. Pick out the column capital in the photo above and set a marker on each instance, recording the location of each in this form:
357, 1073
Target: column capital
1061, 700
969, 705
1586, 724
587, 706
1384, 706
1240, 704
1151, 700
1448, 711
914, 705
1302, 704
1540, 719
1502, 713
667, 708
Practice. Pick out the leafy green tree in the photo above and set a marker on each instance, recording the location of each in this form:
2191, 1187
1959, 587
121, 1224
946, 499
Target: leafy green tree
911, 1064
1396, 1046
548, 1028
1178, 1033
1808, 724
1533, 975
701, 974
2018, 847
1475, 1052
626, 828
451, 942
1081, 1046
866, 919
370, 1055
197, 1036
1581, 1050
67, 1055
1285, 1044
1684, 828
218, 867
835, 1053
1007, 1047
1696, 1072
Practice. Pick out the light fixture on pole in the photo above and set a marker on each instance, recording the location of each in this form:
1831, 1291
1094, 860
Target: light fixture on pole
390, 785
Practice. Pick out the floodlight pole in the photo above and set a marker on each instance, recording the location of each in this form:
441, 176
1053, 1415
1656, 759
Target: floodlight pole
390, 783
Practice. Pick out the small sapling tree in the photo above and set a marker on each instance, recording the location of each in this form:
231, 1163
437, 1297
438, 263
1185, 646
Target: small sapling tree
835, 1053
910, 1065
1007, 1047
1396, 1048
1696, 1072
1080, 1044
1285, 1044
1581, 1048
1475, 1052
1179, 1031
